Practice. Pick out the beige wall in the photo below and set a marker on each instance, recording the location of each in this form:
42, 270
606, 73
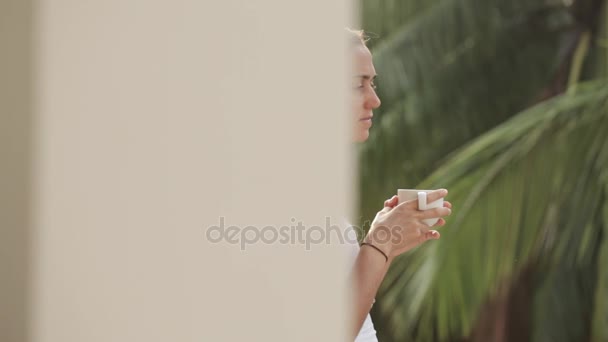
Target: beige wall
153, 119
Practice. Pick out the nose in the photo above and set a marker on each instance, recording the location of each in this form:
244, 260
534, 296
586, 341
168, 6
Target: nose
372, 101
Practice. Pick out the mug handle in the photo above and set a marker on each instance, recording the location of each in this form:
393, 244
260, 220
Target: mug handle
422, 205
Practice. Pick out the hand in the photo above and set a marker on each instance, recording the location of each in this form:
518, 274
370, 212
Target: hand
398, 227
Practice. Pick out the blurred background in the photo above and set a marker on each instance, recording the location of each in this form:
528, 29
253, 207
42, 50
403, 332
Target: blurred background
504, 103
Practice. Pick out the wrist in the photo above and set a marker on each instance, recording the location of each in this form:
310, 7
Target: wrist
378, 250
380, 238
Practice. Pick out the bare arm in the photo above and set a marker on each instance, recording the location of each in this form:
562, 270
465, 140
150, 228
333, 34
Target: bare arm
403, 224
368, 273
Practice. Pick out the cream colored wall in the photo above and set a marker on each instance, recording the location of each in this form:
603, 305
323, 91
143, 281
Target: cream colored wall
144, 123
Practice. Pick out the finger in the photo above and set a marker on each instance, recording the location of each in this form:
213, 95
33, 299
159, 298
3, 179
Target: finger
411, 204
435, 195
392, 202
433, 213
389, 204
440, 223
432, 235
447, 204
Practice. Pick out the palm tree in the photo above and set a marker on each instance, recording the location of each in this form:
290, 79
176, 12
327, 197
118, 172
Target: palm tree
505, 104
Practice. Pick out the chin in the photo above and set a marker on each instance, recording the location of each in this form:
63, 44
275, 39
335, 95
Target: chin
362, 136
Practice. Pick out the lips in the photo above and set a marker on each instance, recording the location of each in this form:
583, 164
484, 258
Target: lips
366, 122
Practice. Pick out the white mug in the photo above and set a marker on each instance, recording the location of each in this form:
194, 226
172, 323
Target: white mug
412, 194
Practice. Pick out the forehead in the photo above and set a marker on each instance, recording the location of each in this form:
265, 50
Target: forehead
362, 63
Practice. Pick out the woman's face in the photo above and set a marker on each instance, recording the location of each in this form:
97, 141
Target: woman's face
364, 99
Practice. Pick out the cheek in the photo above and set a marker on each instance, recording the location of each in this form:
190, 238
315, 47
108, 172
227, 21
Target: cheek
357, 105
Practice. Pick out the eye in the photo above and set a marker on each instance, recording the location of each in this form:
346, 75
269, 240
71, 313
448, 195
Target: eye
373, 85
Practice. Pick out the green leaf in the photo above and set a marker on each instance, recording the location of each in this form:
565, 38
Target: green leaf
450, 73
526, 192
600, 314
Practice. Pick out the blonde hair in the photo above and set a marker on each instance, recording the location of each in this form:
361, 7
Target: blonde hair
357, 36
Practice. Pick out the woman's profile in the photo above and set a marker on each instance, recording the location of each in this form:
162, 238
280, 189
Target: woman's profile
398, 227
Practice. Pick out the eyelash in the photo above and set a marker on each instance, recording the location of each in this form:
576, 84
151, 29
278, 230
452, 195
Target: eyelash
372, 84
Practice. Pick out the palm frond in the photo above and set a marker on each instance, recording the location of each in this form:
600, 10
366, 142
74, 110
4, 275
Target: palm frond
445, 79
599, 331
381, 18
527, 191
561, 304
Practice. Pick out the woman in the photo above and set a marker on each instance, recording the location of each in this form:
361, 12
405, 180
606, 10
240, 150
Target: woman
398, 227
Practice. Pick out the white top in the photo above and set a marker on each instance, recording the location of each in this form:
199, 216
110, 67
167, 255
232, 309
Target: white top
367, 332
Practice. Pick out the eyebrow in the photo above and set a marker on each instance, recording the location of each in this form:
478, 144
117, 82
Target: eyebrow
366, 77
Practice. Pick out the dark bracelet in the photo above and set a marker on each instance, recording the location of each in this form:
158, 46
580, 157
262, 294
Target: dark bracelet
376, 248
